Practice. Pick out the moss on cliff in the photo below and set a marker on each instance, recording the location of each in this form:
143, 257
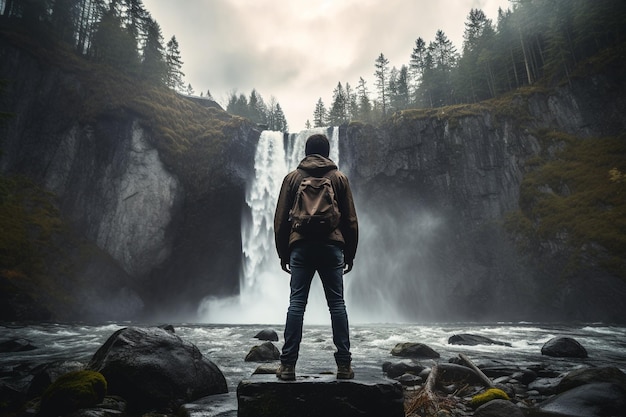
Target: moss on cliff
29, 221
576, 196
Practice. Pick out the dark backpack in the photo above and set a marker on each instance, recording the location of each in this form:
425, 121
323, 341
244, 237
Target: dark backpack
315, 211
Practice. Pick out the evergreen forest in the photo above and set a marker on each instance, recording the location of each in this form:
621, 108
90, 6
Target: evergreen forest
532, 42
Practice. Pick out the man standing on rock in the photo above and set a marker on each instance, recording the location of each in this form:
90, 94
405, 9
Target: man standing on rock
305, 246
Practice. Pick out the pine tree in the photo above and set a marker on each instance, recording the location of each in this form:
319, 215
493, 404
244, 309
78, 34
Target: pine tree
353, 104
365, 106
417, 66
280, 120
113, 44
257, 110
338, 110
440, 60
153, 65
399, 88
382, 70
319, 115
174, 63
473, 78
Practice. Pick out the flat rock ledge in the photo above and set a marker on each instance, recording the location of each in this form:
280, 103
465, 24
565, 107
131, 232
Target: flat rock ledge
319, 396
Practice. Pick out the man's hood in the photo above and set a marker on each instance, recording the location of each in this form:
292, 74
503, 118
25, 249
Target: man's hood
316, 164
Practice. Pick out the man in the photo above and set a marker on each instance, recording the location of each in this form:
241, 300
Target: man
301, 255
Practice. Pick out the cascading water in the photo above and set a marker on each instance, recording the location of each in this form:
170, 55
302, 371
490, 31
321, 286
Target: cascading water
264, 287
394, 272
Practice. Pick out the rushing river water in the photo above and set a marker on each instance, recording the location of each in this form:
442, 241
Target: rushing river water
227, 345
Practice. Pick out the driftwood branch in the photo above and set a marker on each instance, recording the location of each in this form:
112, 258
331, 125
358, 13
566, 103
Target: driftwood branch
480, 373
426, 401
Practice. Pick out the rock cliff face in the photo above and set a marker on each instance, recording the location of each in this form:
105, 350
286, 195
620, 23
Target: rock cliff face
157, 246
434, 190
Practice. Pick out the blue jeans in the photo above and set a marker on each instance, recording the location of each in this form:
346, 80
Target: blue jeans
327, 259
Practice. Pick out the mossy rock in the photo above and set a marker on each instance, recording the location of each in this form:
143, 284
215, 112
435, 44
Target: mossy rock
72, 391
490, 394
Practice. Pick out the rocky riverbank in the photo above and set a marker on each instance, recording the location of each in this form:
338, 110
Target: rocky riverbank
154, 370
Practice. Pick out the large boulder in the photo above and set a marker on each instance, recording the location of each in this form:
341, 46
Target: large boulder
263, 353
590, 400
563, 347
452, 373
154, 369
319, 396
591, 375
267, 334
16, 345
414, 350
473, 340
394, 370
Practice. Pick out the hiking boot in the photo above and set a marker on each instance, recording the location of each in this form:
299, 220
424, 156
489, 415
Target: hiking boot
344, 371
286, 372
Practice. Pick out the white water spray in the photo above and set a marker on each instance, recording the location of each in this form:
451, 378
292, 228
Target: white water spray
264, 287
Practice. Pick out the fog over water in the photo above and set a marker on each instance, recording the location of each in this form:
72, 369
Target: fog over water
394, 267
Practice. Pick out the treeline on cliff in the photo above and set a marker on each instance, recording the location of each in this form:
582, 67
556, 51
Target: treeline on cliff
535, 42
118, 33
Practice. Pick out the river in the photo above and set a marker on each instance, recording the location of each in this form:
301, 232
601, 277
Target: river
227, 345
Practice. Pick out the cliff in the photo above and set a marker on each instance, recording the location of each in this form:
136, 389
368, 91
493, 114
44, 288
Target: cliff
143, 184
120, 200
485, 211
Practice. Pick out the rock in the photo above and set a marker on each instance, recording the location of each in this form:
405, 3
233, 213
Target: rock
222, 405
111, 406
319, 395
473, 340
267, 334
263, 353
591, 375
46, 374
498, 408
154, 369
545, 386
72, 391
394, 370
266, 368
16, 345
590, 400
563, 347
525, 376
409, 380
452, 373
168, 327
11, 399
414, 350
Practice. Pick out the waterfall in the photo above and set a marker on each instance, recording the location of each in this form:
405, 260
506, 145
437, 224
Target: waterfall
264, 287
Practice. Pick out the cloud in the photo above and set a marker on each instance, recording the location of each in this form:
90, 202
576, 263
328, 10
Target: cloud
297, 51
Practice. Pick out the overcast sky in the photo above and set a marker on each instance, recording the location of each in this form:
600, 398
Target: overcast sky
298, 50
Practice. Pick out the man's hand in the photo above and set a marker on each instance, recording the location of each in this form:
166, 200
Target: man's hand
347, 268
285, 267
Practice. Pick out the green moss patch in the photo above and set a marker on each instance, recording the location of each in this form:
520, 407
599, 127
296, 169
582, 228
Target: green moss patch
29, 219
72, 391
577, 196
490, 394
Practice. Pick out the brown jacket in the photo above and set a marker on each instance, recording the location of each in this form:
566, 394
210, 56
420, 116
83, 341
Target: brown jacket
346, 235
